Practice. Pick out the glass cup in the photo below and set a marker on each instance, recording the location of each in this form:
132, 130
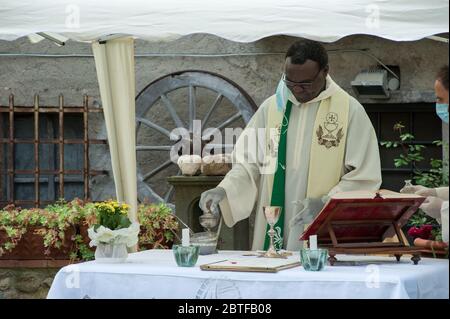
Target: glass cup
408, 183
185, 256
313, 260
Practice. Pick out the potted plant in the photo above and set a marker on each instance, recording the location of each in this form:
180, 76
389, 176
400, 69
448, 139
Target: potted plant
35, 234
113, 232
62, 216
158, 226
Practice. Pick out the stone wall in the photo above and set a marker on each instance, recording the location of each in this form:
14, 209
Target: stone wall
26, 283
256, 67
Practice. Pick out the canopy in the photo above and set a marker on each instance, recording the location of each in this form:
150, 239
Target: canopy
237, 20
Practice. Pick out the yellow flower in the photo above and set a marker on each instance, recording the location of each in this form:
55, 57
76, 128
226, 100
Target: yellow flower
124, 209
111, 208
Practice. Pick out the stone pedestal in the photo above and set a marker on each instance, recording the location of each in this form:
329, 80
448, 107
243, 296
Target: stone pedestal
188, 190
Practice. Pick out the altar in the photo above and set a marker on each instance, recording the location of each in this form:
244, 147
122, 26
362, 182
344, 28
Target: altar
154, 274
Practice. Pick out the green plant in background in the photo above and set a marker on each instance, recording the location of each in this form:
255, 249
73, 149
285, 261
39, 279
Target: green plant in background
412, 154
66, 215
56, 220
15, 222
158, 226
83, 251
436, 176
53, 223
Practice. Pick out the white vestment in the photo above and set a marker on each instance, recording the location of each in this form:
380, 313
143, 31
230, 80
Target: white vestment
246, 188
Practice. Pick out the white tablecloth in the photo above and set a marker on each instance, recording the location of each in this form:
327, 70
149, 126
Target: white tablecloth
154, 274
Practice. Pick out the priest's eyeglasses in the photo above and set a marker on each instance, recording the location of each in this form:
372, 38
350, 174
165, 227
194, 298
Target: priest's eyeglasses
304, 85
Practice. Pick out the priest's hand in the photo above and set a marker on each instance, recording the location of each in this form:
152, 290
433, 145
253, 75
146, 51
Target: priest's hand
309, 208
209, 200
432, 207
419, 190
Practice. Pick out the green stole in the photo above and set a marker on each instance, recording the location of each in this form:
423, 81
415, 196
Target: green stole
278, 191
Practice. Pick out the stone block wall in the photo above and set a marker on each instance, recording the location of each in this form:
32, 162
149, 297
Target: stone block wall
26, 283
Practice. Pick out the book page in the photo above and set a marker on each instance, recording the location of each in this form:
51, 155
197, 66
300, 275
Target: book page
390, 194
384, 193
254, 262
354, 194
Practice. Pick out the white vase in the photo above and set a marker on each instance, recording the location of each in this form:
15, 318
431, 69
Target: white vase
111, 253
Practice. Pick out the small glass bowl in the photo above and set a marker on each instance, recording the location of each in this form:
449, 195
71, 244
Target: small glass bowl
185, 256
313, 260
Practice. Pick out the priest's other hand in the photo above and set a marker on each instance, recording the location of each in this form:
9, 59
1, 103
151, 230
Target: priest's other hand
209, 200
419, 190
432, 207
309, 208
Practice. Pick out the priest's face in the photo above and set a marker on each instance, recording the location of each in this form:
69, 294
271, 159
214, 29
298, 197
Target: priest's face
306, 80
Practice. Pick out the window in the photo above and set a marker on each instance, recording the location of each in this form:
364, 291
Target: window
419, 120
44, 153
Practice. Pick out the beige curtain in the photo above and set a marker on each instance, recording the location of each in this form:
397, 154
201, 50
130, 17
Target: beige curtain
114, 61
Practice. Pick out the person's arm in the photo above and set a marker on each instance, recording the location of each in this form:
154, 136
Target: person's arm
239, 188
442, 193
444, 221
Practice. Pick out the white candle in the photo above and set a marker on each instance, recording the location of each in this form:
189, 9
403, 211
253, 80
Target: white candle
313, 242
185, 237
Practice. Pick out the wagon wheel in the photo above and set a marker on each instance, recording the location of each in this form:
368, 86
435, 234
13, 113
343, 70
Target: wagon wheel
175, 101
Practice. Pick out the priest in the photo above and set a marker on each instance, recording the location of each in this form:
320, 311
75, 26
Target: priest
318, 141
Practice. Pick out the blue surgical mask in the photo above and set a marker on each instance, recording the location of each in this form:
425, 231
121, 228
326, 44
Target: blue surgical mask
442, 111
282, 94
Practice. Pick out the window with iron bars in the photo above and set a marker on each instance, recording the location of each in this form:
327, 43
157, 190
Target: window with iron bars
44, 153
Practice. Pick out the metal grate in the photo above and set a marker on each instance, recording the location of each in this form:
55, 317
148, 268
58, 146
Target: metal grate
8, 115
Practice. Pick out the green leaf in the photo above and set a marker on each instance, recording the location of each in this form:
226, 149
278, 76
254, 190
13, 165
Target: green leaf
406, 137
419, 147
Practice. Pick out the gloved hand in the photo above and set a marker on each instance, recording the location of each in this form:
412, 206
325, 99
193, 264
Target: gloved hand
308, 210
209, 200
419, 190
432, 207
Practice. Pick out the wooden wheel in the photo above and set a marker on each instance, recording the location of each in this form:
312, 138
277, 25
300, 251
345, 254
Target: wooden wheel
175, 101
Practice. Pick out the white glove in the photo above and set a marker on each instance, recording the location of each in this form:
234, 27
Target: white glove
309, 208
209, 200
419, 190
432, 207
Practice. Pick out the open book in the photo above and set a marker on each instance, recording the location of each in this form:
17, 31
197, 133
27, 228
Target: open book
253, 264
362, 216
383, 193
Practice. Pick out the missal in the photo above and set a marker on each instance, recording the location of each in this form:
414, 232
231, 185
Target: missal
363, 222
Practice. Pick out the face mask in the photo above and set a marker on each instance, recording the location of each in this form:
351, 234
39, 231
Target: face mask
281, 95
442, 111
